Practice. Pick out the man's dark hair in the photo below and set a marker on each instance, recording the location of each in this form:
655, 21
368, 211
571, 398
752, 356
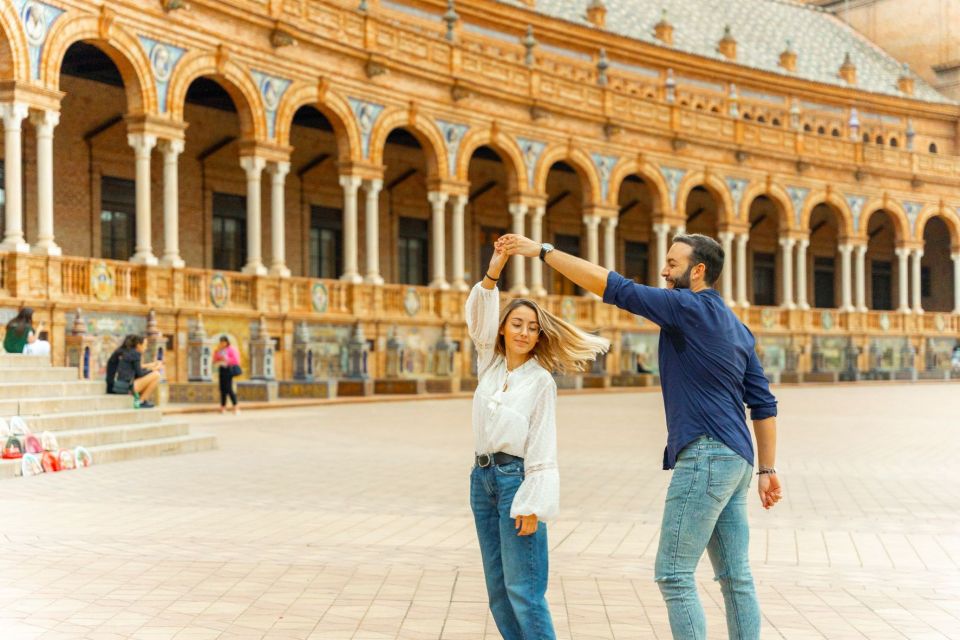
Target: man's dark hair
705, 250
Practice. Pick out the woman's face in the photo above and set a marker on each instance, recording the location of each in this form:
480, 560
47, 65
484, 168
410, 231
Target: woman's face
223, 344
521, 331
142, 347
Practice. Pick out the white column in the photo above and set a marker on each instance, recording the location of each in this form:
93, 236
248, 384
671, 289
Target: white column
846, 301
371, 214
171, 150
13, 114
917, 256
860, 267
802, 274
726, 276
592, 223
786, 273
956, 282
253, 166
742, 269
278, 260
536, 267
45, 122
438, 203
518, 215
610, 243
661, 229
902, 279
351, 270
143, 144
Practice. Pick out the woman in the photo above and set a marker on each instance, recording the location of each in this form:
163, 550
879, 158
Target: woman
133, 375
515, 484
228, 357
20, 331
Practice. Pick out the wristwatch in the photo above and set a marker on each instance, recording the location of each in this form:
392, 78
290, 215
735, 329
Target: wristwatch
545, 248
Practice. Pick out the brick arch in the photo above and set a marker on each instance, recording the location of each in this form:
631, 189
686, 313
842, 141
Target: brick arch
427, 134
836, 202
716, 187
122, 47
14, 54
333, 107
505, 147
785, 213
581, 163
893, 210
651, 176
939, 211
234, 79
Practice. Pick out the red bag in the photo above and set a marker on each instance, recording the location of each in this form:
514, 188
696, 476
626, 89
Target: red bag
49, 462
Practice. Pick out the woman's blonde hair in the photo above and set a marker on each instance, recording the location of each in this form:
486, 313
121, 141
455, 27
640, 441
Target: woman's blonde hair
560, 347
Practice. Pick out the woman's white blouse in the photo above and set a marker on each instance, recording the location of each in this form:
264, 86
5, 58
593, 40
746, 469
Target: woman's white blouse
520, 421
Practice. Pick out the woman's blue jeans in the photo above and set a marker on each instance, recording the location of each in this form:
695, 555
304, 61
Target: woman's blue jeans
515, 567
706, 508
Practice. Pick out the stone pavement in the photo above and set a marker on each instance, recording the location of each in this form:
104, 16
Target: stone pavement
351, 522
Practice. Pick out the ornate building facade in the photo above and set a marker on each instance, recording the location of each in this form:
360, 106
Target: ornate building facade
322, 172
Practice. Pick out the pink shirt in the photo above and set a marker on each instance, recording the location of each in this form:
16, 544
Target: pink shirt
227, 356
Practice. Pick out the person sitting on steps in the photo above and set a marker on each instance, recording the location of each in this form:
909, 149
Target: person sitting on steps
133, 375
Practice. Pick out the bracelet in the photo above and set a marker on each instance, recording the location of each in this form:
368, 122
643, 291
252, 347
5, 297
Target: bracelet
487, 275
764, 471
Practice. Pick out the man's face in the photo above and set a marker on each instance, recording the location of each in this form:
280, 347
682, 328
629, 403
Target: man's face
678, 268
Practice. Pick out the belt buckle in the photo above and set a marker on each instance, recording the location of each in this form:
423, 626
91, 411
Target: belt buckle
484, 460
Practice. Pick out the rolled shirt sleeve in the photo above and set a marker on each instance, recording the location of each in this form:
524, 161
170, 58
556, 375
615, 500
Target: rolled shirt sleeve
756, 390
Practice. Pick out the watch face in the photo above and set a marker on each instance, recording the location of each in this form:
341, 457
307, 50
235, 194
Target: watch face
547, 246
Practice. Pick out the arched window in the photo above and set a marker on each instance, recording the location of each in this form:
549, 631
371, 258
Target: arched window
894, 142
866, 137
714, 109
761, 120
880, 140
807, 128
835, 133
775, 122
747, 116
822, 131
684, 103
933, 147
699, 106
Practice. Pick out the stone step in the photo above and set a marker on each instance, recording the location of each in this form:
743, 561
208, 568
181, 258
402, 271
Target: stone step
38, 406
20, 361
41, 374
88, 419
21, 391
101, 436
105, 454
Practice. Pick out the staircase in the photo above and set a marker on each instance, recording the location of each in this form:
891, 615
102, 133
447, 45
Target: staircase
79, 412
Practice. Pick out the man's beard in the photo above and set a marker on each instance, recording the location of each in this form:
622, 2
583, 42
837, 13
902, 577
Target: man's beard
683, 282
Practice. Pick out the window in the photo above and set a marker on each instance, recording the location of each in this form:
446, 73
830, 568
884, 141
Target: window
636, 261
571, 245
764, 279
866, 137
118, 212
326, 242
926, 284
412, 251
821, 131
881, 284
932, 148
823, 283
894, 142
880, 140
229, 231
835, 133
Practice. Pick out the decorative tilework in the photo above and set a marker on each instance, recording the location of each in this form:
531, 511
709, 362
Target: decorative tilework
673, 177
452, 135
798, 195
272, 90
737, 186
367, 114
531, 150
37, 18
856, 208
605, 165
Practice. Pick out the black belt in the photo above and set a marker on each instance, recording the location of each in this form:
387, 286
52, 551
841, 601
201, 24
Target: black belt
484, 460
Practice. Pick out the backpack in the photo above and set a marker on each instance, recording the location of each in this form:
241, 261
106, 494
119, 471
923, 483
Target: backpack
18, 426
83, 457
13, 448
48, 441
49, 462
32, 444
67, 460
30, 465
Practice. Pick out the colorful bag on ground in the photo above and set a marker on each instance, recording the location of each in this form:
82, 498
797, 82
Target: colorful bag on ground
49, 462
18, 426
31, 444
67, 460
48, 441
13, 448
30, 465
83, 457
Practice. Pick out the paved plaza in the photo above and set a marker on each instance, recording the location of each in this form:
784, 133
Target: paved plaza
351, 522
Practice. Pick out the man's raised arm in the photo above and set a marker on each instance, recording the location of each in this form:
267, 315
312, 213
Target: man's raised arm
590, 276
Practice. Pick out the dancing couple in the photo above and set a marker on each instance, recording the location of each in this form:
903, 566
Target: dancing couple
708, 370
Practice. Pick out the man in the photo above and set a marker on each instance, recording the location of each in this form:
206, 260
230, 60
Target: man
708, 370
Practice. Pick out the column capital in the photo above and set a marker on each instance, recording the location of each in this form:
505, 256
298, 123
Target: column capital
743, 237
591, 220
171, 147
45, 120
278, 170
517, 208
955, 256
902, 252
661, 228
142, 143
373, 185
787, 242
13, 113
350, 182
611, 223
253, 165
437, 198
918, 253
725, 236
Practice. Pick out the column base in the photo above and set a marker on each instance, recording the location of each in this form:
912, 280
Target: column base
174, 261
520, 290
144, 258
743, 304
461, 285
538, 292
15, 246
373, 278
918, 312
862, 309
352, 278
48, 248
443, 285
254, 269
803, 306
279, 270
788, 306
905, 310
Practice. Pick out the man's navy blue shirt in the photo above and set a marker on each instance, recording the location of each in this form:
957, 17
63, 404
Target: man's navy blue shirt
708, 365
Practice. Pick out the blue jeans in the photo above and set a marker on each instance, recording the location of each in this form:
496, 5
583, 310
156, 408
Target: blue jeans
515, 567
706, 508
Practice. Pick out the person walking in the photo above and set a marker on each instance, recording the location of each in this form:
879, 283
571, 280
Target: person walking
709, 370
228, 357
515, 483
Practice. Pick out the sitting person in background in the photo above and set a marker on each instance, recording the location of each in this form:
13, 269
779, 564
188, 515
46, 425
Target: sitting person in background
20, 331
133, 375
40, 346
114, 361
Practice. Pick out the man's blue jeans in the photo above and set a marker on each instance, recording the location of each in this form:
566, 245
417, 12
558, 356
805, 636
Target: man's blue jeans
515, 566
706, 508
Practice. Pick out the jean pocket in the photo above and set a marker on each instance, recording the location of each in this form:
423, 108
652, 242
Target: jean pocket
511, 469
724, 475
